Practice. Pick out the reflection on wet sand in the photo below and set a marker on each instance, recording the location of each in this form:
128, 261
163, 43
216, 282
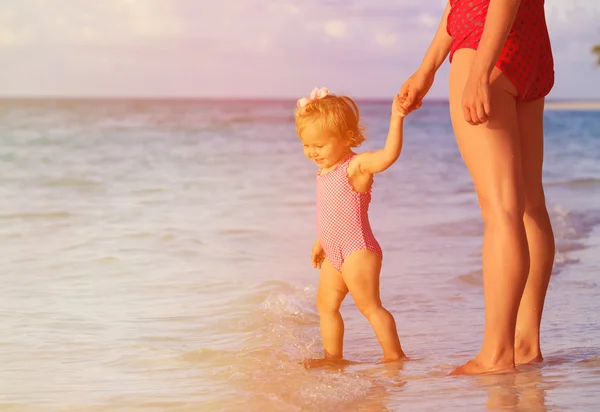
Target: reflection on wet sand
524, 390
274, 383
386, 380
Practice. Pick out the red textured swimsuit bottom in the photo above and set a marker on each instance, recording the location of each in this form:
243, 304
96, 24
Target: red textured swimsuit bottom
526, 58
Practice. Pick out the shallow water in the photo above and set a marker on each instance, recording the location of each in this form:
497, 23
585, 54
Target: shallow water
156, 257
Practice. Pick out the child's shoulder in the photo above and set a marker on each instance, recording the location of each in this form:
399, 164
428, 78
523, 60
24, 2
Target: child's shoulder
359, 180
356, 161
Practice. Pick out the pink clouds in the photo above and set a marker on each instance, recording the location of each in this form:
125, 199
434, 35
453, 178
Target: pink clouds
236, 47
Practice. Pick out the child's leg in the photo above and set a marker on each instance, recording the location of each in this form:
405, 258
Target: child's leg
332, 291
361, 274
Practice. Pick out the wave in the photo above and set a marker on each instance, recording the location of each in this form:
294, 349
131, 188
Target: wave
239, 231
571, 228
274, 336
36, 215
473, 278
203, 355
465, 227
258, 119
578, 183
71, 182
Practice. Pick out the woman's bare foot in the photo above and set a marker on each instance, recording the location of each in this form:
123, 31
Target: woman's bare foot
527, 350
528, 358
476, 367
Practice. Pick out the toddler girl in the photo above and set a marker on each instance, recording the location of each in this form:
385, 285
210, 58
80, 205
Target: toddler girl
346, 252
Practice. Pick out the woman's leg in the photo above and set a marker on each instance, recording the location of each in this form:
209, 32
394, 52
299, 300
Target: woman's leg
539, 233
492, 153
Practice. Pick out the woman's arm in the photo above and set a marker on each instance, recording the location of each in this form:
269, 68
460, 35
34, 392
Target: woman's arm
498, 23
476, 94
416, 86
440, 46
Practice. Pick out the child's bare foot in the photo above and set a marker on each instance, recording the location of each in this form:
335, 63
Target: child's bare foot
476, 367
397, 358
319, 363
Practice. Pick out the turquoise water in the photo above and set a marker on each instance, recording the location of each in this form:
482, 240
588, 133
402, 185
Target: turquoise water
156, 256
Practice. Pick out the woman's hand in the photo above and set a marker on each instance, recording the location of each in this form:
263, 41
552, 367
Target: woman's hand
414, 90
476, 99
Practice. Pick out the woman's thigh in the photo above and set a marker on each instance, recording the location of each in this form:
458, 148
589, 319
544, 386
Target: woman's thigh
492, 150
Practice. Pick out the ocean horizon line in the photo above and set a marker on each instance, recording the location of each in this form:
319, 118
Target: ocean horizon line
240, 99
551, 104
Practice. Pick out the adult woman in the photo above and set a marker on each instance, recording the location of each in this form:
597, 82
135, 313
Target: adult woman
501, 70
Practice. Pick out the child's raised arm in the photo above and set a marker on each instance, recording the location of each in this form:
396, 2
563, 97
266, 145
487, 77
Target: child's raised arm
380, 160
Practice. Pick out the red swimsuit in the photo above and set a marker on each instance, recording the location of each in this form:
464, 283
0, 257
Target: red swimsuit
526, 58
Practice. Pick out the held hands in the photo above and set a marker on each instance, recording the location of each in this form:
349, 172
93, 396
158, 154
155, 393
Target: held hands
476, 99
397, 109
318, 255
414, 90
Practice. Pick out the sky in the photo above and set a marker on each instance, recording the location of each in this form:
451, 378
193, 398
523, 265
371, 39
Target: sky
250, 48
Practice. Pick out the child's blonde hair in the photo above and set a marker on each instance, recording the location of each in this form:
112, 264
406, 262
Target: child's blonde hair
337, 113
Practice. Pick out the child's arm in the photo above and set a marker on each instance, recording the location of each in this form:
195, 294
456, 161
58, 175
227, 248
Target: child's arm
379, 160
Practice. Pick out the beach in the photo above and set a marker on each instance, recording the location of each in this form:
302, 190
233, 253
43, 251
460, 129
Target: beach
156, 257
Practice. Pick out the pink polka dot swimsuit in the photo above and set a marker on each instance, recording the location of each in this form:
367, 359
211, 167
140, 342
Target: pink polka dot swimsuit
526, 58
342, 216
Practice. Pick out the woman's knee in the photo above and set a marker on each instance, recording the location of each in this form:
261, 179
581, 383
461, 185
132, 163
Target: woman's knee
535, 202
505, 209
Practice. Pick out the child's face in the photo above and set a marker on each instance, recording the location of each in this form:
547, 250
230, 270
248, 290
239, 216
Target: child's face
324, 147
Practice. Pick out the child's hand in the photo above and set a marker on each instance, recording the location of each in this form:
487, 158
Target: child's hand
397, 109
318, 255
